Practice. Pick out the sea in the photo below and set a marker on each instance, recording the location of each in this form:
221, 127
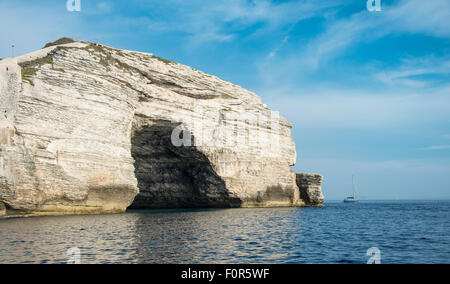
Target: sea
386, 232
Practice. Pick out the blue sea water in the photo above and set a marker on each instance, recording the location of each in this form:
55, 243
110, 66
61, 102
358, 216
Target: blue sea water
403, 231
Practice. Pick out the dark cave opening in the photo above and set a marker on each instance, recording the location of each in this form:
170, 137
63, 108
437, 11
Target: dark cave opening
171, 177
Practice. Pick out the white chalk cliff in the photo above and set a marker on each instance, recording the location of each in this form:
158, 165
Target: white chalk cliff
87, 128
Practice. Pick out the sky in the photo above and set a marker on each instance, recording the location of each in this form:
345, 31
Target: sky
368, 92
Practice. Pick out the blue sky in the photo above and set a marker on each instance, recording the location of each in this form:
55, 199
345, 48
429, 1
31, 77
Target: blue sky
368, 92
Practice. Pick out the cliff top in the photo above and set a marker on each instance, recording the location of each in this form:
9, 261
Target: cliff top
162, 71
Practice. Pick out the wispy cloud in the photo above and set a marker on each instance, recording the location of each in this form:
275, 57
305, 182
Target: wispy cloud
275, 51
407, 73
411, 16
220, 20
321, 55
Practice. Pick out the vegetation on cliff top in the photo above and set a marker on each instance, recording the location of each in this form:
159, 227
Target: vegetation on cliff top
29, 68
106, 58
63, 40
162, 59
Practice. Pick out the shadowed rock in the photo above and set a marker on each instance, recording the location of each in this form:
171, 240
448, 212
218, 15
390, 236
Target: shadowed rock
2, 209
174, 177
310, 186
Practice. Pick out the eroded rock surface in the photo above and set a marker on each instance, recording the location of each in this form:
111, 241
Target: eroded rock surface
310, 186
2, 209
90, 127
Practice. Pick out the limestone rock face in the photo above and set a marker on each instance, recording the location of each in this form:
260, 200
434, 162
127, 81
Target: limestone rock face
310, 186
88, 128
2, 209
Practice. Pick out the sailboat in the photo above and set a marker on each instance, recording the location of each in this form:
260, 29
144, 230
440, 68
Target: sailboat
352, 199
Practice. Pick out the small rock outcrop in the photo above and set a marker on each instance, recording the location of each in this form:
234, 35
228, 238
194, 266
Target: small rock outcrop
310, 186
89, 128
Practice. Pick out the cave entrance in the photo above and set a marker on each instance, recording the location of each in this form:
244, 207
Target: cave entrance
173, 177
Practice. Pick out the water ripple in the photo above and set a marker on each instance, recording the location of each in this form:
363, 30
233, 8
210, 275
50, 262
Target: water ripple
405, 232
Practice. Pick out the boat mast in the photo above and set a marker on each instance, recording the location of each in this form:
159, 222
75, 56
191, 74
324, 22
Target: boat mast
353, 185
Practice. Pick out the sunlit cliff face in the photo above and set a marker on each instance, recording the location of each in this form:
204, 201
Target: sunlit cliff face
93, 128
